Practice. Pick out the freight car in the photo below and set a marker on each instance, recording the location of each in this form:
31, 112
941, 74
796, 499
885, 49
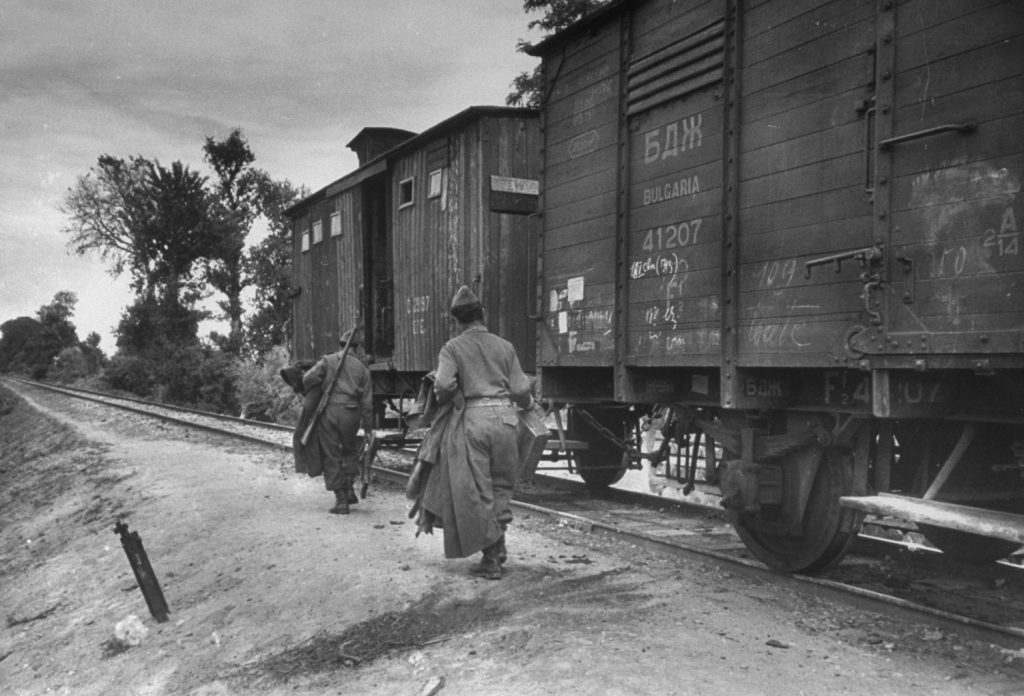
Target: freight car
386, 246
794, 223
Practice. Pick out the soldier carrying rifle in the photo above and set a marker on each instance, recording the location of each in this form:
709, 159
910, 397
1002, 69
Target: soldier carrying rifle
338, 400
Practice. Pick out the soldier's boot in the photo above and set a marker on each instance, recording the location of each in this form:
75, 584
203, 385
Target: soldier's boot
340, 502
488, 567
351, 491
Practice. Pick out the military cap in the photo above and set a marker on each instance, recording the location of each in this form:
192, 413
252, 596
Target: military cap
465, 299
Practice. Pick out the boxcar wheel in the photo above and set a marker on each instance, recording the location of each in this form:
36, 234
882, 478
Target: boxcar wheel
828, 529
966, 547
602, 464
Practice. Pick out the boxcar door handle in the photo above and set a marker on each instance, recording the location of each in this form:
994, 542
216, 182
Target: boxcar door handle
927, 132
865, 256
866, 109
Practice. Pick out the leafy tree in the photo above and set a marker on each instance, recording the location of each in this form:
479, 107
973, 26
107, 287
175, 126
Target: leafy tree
130, 373
17, 334
236, 190
269, 266
31, 345
108, 214
57, 316
527, 87
247, 194
153, 221
184, 227
69, 364
262, 394
176, 233
94, 358
270, 321
192, 374
154, 326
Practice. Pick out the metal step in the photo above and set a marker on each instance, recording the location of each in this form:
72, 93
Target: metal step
989, 523
556, 445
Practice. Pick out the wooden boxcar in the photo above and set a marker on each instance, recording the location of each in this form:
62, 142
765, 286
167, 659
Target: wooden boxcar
795, 222
386, 246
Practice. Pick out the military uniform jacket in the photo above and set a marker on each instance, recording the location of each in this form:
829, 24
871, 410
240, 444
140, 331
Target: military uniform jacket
353, 390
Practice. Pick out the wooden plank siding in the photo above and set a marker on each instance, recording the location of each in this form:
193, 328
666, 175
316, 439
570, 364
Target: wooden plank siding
698, 154
430, 252
657, 25
347, 243
328, 274
802, 178
303, 346
511, 148
323, 271
320, 268
580, 181
674, 248
955, 196
451, 239
394, 267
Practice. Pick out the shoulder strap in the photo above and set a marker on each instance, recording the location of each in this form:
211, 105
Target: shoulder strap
337, 371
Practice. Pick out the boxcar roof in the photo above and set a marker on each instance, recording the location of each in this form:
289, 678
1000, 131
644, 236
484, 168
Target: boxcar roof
547, 44
378, 164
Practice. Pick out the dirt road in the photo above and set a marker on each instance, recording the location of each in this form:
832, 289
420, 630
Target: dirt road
269, 594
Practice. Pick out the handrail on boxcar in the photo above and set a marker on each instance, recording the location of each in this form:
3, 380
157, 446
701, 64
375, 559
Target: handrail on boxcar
959, 127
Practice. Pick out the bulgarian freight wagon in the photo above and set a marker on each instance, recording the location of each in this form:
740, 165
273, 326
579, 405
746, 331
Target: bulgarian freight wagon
386, 246
793, 226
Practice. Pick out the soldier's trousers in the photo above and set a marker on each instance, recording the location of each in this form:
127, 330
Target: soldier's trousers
492, 449
338, 431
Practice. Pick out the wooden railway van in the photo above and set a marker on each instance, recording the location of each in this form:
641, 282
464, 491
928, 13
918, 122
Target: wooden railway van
797, 224
386, 246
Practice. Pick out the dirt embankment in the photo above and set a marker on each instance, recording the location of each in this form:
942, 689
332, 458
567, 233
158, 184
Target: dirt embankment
269, 594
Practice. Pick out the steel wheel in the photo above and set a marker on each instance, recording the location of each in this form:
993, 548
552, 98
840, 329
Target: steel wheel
602, 464
828, 529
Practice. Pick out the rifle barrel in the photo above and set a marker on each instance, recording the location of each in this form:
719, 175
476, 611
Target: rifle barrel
326, 396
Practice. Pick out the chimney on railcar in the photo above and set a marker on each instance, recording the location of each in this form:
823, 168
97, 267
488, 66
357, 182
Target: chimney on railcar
372, 142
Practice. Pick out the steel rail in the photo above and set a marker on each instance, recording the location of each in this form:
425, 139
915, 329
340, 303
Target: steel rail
1008, 636
920, 613
169, 407
95, 397
830, 589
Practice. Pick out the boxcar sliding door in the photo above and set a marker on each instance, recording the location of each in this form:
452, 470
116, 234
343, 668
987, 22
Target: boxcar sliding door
950, 113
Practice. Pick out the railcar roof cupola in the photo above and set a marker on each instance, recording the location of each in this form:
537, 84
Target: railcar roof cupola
372, 142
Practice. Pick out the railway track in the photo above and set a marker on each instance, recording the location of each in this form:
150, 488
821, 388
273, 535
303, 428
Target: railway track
885, 576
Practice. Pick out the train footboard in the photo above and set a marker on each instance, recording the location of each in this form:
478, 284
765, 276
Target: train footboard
964, 532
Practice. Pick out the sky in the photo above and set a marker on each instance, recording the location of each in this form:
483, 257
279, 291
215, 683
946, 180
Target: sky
155, 78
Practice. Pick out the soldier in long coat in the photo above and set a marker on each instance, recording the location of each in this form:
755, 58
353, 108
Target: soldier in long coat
334, 447
471, 488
